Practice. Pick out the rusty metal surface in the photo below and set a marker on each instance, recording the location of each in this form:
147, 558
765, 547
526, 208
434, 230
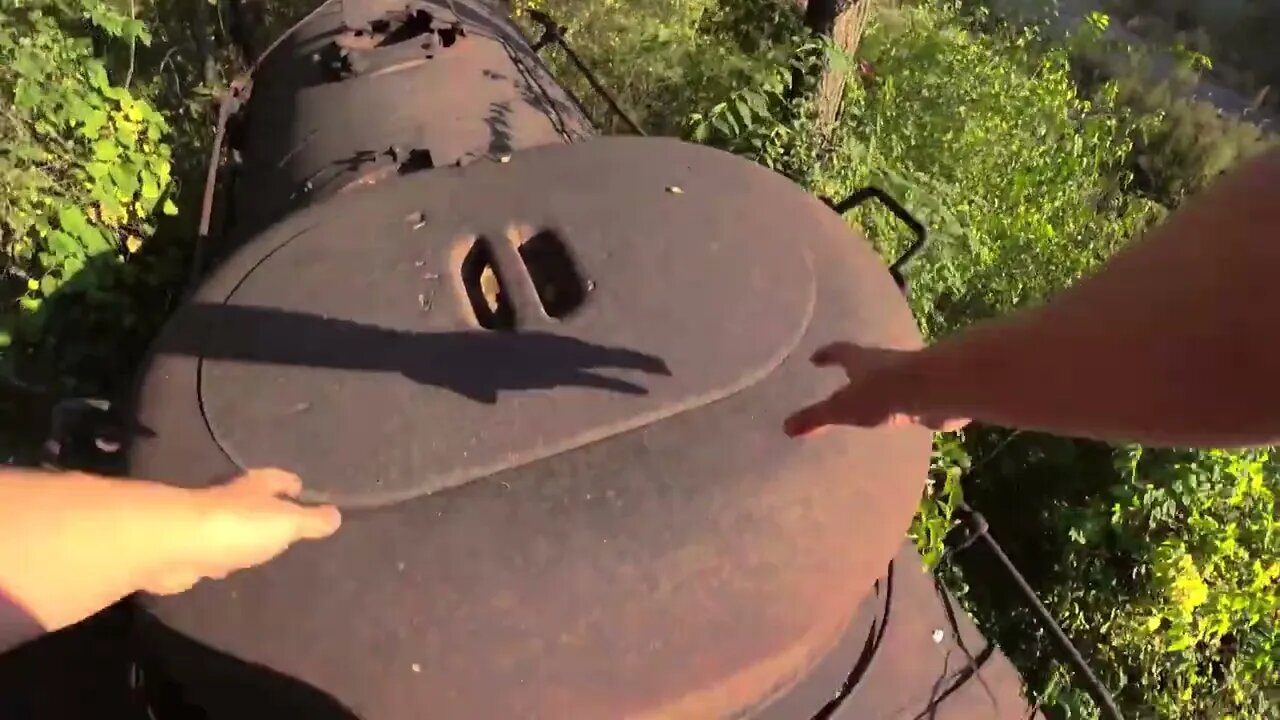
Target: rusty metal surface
289, 357
363, 81
695, 567
931, 661
912, 652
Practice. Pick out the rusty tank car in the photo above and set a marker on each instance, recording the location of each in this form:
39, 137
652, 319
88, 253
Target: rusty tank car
543, 372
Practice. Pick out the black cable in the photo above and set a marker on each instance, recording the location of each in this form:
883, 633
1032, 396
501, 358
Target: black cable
979, 530
553, 33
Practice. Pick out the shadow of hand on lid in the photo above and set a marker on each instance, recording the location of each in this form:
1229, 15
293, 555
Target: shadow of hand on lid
474, 363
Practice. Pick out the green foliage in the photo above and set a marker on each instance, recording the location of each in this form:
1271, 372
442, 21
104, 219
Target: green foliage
1161, 565
944, 493
1019, 178
762, 120
83, 162
105, 120
1181, 144
1188, 547
668, 58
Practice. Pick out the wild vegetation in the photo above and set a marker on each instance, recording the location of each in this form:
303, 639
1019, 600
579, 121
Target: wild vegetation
1030, 159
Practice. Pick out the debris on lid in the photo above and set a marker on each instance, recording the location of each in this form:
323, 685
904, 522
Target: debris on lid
938, 636
675, 189
417, 219
504, 158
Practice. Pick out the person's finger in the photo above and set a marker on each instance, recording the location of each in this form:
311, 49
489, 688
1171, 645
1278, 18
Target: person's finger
270, 481
172, 583
318, 522
836, 353
812, 418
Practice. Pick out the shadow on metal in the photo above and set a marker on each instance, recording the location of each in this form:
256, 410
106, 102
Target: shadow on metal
246, 691
475, 364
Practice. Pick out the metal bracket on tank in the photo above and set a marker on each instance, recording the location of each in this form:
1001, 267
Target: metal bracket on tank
899, 267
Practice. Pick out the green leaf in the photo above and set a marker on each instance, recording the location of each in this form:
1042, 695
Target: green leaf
150, 190
93, 122
72, 220
70, 267
160, 166
97, 169
63, 244
98, 75
75, 223
49, 284
94, 241
126, 181
106, 150
169, 208
757, 102
133, 28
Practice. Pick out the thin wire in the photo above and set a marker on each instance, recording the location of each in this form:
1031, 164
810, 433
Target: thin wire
553, 32
1096, 689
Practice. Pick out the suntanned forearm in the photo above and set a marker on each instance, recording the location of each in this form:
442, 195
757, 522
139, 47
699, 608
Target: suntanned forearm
1176, 341
72, 544
85, 522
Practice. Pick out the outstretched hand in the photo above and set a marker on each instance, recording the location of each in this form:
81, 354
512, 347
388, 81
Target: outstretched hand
72, 544
875, 396
243, 523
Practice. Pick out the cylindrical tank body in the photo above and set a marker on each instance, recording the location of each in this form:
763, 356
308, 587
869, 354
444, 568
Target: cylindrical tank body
366, 89
544, 374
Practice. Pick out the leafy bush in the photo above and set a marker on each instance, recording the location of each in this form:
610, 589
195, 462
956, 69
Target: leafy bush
668, 58
104, 129
1190, 547
1161, 565
83, 162
1181, 144
1021, 180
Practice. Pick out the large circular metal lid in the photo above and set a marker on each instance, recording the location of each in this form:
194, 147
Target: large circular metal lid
551, 392
355, 351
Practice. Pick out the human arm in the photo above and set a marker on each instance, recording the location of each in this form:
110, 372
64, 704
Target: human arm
72, 543
1172, 342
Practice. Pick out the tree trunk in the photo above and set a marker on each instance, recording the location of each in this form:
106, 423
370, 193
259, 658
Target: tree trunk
843, 21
